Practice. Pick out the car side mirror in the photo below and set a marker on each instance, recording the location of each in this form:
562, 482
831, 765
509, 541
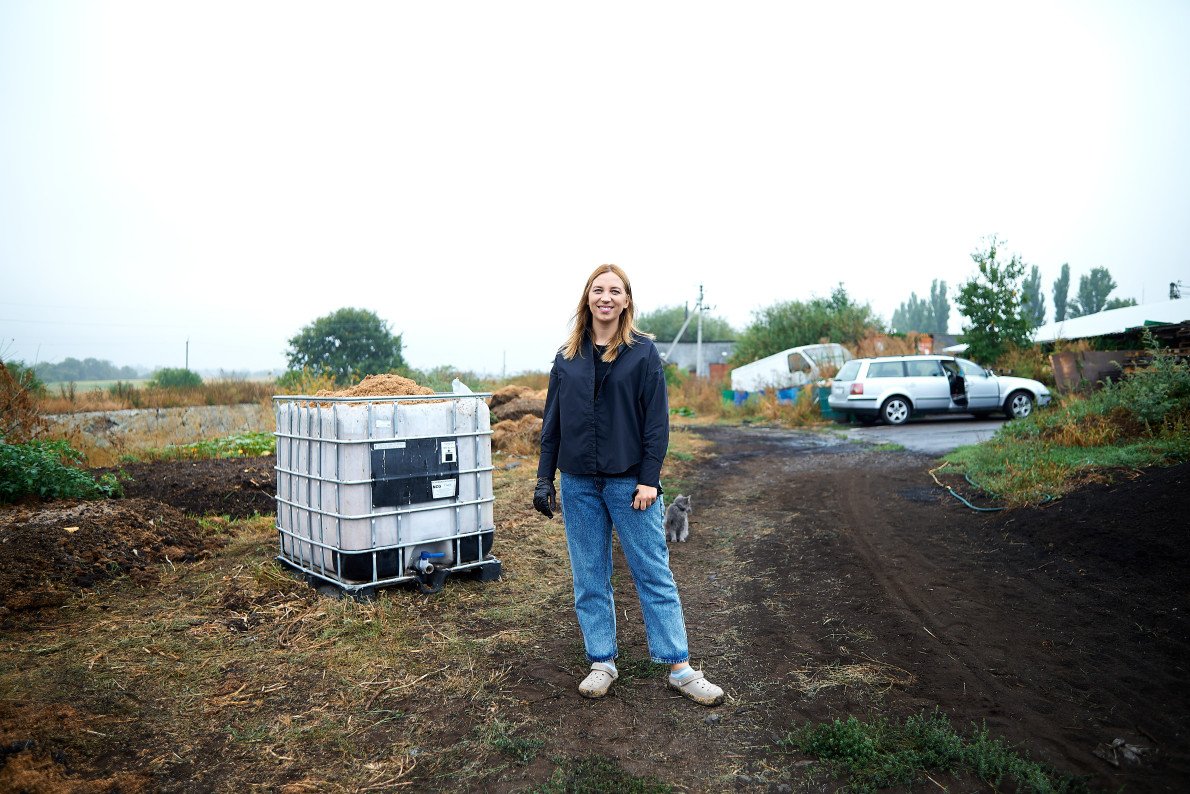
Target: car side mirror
988, 373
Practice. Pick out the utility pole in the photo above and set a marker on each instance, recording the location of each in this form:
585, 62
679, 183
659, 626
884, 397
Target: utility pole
698, 347
187, 353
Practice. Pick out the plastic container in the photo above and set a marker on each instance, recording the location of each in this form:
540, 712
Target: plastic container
378, 490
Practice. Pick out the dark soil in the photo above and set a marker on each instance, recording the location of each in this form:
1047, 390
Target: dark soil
1062, 628
232, 487
51, 551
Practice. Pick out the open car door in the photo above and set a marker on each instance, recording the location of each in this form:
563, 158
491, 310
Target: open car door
958, 383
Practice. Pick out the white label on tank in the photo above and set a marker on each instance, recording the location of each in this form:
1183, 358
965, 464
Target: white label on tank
449, 452
383, 423
442, 489
390, 445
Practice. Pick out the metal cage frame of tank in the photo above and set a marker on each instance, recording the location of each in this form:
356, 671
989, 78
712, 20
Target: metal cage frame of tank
289, 440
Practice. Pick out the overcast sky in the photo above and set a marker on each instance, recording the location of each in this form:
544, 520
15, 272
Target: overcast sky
226, 172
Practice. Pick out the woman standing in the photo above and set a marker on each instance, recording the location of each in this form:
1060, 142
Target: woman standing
606, 427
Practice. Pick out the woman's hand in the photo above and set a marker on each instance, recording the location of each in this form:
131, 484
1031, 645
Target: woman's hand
545, 498
644, 497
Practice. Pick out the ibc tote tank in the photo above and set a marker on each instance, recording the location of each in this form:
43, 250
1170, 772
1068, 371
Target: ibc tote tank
372, 491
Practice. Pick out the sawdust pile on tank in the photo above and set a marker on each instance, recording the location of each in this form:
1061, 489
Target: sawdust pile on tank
385, 482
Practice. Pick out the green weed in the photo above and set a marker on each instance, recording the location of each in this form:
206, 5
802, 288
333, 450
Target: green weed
883, 753
596, 775
49, 470
499, 736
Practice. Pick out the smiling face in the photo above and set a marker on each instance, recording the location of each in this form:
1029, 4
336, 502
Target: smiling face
607, 298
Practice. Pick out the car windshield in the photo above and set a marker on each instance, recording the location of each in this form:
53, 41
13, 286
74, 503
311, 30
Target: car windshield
798, 363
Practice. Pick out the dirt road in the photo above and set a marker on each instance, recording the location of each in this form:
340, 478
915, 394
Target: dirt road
1062, 629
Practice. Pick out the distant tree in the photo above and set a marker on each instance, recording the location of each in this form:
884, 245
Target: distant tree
71, 369
1033, 301
991, 301
175, 378
1061, 292
1119, 303
348, 343
912, 315
930, 316
666, 321
1093, 291
793, 323
939, 307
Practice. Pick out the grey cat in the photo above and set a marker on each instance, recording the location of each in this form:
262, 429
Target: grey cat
677, 520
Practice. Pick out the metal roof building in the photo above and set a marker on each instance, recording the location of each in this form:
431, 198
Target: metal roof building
1115, 321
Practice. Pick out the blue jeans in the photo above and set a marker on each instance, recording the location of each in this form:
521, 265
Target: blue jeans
590, 508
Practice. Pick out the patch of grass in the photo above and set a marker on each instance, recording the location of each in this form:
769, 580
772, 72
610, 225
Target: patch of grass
598, 775
122, 395
1142, 421
885, 753
499, 735
239, 445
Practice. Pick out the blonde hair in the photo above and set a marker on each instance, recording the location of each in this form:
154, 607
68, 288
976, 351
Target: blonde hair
582, 320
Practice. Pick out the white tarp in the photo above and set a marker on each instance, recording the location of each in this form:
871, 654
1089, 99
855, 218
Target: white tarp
1115, 321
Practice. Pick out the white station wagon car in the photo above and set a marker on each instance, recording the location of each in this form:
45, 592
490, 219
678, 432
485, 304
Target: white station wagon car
893, 388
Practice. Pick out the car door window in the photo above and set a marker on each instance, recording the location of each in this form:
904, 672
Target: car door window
923, 369
886, 369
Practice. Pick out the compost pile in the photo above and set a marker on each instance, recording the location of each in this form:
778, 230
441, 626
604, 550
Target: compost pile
386, 385
52, 550
516, 419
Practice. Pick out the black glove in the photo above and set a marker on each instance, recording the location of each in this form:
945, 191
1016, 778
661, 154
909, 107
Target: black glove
545, 498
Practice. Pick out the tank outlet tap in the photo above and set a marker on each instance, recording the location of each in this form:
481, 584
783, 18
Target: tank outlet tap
423, 564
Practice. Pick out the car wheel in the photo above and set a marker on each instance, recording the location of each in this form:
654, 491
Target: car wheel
1019, 405
895, 411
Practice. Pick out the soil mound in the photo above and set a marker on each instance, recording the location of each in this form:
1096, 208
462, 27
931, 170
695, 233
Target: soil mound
507, 395
387, 385
518, 436
51, 550
521, 406
233, 487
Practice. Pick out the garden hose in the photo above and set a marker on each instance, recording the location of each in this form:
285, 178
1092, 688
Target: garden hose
958, 496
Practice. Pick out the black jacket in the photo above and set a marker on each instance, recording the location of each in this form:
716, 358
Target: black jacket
625, 429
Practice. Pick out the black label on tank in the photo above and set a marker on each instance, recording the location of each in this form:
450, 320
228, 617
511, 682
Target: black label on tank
414, 471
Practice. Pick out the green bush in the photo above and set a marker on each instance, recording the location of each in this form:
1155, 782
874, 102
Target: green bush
25, 377
175, 378
49, 470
